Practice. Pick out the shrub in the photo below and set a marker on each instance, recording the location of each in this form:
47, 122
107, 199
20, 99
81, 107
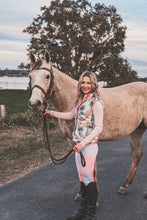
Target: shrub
27, 118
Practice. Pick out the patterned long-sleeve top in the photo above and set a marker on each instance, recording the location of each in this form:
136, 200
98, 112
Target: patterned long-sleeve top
97, 107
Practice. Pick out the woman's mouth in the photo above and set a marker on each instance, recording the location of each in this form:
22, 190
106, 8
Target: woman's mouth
85, 89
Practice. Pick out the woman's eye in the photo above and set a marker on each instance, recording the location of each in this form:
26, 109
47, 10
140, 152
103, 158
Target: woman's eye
48, 76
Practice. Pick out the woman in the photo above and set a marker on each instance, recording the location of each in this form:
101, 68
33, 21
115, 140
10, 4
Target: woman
88, 114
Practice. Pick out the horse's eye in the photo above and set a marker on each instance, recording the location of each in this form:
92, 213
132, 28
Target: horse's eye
48, 76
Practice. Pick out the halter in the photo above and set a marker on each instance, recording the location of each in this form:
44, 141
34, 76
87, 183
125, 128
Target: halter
50, 91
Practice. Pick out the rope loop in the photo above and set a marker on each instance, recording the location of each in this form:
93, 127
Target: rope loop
46, 137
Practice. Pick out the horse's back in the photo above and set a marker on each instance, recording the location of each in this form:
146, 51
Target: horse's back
134, 87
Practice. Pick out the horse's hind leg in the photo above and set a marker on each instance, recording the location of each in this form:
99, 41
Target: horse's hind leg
95, 176
136, 145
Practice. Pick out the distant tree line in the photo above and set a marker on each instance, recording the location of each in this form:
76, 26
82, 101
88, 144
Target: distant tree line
142, 79
12, 73
2, 73
82, 37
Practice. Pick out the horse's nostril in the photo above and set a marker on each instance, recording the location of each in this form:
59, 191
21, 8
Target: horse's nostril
34, 104
39, 103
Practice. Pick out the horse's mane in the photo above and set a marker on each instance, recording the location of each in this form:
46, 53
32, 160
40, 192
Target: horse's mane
37, 65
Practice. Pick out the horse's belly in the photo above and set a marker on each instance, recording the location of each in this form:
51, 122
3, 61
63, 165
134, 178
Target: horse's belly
120, 128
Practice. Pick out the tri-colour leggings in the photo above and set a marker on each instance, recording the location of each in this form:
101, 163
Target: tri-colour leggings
86, 174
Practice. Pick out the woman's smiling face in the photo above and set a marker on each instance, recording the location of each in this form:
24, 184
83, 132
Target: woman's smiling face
86, 85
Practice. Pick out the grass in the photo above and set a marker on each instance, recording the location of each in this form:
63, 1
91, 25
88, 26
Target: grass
17, 111
15, 100
22, 146
23, 149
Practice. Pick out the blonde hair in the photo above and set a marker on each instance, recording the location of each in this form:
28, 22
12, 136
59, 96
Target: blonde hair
94, 84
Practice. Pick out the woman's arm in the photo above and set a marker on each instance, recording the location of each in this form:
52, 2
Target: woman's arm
61, 115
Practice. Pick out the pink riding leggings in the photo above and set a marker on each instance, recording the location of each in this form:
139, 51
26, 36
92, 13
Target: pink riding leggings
86, 174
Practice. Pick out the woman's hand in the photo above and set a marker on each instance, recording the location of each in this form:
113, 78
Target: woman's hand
46, 112
78, 147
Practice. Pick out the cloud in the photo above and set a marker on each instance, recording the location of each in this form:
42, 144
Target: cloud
12, 53
14, 17
139, 66
23, 11
136, 46
142, 71
13, 32
137, 34
139, 63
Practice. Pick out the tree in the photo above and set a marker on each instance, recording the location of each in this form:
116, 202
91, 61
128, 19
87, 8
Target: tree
2, 73
144, 79
80, 37
117, 71
24, 66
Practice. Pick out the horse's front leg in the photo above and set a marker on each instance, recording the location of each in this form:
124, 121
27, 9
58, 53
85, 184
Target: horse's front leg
136, 146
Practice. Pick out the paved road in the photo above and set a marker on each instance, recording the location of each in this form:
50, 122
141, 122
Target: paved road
47, 193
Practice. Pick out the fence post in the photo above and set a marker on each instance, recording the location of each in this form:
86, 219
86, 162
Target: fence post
2, 111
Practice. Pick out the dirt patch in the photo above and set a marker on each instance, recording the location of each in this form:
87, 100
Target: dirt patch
23, 149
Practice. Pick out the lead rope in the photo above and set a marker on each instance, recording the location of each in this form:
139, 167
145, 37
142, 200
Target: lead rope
46, 137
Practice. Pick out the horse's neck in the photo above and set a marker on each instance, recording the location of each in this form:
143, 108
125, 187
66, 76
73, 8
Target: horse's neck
65, 91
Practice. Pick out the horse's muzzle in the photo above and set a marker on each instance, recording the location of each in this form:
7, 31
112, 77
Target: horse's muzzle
34, 105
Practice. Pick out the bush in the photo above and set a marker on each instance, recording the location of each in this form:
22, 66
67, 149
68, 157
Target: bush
27, 118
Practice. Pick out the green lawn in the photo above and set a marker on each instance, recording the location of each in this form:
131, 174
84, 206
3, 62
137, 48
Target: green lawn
17, 110
16, 101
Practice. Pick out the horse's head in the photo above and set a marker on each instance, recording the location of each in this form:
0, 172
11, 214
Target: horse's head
41, 81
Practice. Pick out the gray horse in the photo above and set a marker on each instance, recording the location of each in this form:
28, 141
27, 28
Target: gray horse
125, 107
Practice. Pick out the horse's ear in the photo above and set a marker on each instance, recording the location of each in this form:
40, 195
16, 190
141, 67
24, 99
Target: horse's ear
32, 58
47, 57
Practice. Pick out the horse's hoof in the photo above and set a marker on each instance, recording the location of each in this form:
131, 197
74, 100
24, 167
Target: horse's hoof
123, 190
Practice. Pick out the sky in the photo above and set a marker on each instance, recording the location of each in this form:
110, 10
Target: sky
15, 15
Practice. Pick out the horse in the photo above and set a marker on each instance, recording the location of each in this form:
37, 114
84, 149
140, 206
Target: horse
125, 107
